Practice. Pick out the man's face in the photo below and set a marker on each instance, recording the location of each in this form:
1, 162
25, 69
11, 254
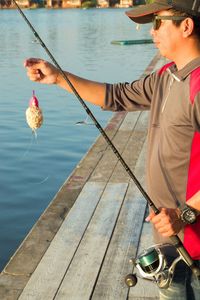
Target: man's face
167, 37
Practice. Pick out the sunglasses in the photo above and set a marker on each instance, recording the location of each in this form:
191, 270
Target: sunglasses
157, 20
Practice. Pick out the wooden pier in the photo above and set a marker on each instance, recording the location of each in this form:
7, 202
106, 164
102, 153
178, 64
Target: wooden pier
80, 247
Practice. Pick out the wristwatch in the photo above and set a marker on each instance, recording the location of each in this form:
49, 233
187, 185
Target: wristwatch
188, 215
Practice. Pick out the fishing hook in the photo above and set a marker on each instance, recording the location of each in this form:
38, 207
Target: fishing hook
175, 239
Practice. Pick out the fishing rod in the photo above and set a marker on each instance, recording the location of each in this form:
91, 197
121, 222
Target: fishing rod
175, 239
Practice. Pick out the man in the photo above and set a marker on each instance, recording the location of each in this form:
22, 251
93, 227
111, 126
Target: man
172, 95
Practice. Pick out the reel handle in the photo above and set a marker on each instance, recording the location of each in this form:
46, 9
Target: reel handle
131, 280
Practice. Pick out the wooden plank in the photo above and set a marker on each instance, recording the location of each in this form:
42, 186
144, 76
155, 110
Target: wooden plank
132, 150
110, 284
8, 280
82, 274
102, 172
130, 121
44, 282
124, 244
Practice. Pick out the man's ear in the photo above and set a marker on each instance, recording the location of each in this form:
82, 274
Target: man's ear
187, 27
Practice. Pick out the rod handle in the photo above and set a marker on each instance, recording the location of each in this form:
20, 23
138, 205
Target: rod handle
185, 256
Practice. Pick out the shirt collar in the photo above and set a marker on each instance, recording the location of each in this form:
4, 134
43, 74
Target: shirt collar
186, 70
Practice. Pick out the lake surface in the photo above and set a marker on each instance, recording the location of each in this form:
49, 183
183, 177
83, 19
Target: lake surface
32, 170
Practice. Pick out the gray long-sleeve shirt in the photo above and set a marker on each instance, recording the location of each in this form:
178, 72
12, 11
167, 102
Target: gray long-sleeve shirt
173, 162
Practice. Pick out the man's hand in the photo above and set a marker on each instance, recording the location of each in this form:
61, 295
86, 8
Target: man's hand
41, 71
167, 222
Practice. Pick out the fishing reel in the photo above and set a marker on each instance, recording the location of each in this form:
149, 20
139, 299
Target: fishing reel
152, 264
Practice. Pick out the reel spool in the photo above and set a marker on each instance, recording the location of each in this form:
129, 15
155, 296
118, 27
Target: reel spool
149, 260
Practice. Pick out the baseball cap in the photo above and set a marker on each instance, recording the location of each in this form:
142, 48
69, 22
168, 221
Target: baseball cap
144, 13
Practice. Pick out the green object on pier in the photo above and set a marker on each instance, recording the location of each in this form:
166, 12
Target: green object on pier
132, 42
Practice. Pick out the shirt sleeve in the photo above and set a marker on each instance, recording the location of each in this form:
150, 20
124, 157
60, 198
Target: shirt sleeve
132, 96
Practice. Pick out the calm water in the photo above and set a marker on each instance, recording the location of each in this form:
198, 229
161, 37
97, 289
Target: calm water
31, 171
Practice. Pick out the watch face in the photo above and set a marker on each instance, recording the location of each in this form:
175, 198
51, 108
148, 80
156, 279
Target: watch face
189, 216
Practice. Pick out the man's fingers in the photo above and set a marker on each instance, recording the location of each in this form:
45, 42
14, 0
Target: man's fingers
33, 63
35, 76
150, 217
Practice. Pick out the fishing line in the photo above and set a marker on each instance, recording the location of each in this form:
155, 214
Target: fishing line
33, 138
175, 239
28, 146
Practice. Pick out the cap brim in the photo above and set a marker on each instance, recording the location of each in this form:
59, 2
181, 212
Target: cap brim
144, 13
